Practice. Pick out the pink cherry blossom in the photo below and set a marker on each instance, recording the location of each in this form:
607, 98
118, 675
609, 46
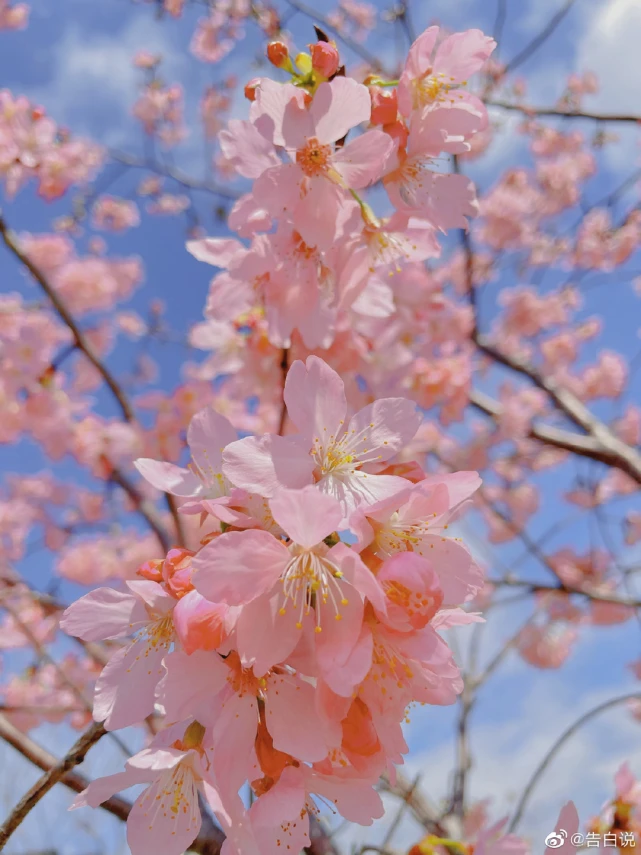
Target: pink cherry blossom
312, 191
126, 687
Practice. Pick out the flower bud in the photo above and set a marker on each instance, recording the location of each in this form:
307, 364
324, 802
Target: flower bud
251, 87
384, 105
177, 570
325, 59
278, 54
151, 570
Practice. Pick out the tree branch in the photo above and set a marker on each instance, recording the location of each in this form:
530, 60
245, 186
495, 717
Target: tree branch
539, 39
567, 733
614, 451
208, 841
55, 773
554, 112
13, 245
176, 175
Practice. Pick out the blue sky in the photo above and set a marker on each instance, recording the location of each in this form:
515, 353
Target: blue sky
75, 59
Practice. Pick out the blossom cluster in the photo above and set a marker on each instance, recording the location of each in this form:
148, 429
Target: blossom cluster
286, 649
33, 146
326, 249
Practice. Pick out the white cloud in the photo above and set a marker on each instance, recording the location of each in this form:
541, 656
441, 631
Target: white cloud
93, 83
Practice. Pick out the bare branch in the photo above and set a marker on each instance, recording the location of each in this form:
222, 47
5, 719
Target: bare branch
565, 589
56, 773
614, 451
584, 446
540, 38
45, 761
176, 175
12, 243
567, 733
208, 842
143, 506
555, 112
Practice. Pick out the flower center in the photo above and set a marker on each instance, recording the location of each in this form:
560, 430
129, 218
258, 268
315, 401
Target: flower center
311, 581
406, 537
343, 455
159, 634
430, 88
215, 484
241, 679
314, 158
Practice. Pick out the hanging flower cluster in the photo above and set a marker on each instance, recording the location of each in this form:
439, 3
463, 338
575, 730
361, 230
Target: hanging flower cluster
286, 650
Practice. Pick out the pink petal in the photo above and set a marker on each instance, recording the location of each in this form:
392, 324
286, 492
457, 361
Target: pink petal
336, 641
207, 436
358, 575
419, 58
102, 789
220, 252
315, 398
339, 106
356, 801
103, 613
341, 679
268, 463
153, 594
319, 214
445, 199
234, 734
157, 759
446, 127
268, 110
247, 149
168, 478
283, 803
190, 683
278, 191
200, 624
298, 125
153, 825
360, 488
265, 637
460, 485
463, 54
126, 688
362, 161
239, 566
292, 719
306, 515
461, 578
568, 821
455, 617
381, 429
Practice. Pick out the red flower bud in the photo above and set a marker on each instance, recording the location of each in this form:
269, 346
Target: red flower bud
250, 88
278, 54
384, 105
325, 59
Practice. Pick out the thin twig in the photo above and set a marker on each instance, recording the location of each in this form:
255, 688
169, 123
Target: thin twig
567, 733
56, 773
208, 842
614, 451
284, 367
12, 243
539, 39
176, 175
556, 112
